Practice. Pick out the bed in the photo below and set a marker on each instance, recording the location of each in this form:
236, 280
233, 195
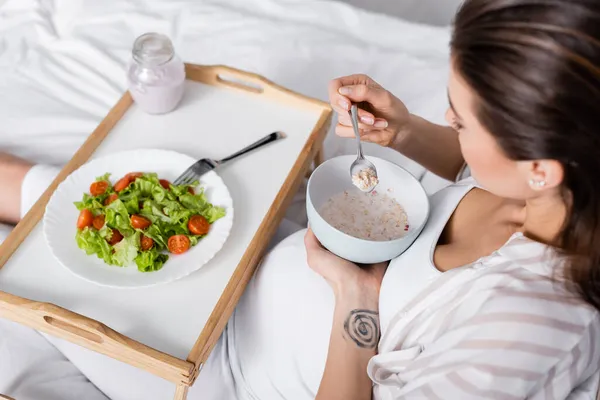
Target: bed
62, 67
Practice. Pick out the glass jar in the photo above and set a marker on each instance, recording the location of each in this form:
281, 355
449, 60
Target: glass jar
156, 76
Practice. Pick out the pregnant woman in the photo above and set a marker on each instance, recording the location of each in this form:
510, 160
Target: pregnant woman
499, 296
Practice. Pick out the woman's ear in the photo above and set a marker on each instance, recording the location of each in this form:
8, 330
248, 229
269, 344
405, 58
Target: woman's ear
544, 174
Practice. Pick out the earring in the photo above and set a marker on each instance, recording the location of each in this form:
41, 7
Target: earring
537, 184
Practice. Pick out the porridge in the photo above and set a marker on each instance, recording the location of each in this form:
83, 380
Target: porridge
365, 179
370, 216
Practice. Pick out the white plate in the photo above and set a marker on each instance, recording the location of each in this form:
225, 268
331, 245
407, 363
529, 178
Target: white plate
61, 217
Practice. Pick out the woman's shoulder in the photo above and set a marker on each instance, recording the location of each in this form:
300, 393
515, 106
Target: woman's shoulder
539, 300
544, 315
530, 301
530, 276
523, 284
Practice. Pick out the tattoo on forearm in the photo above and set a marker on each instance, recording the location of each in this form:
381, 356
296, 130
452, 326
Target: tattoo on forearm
362, 326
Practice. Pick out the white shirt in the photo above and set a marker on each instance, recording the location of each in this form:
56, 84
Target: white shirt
408, 274
498, 328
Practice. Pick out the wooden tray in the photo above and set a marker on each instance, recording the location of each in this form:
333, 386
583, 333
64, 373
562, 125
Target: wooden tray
88, 332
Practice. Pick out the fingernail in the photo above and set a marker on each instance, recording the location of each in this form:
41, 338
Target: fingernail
381, 124
345, 90
344, 104
367, 120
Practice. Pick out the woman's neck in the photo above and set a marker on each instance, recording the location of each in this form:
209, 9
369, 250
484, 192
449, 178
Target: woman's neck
544, 218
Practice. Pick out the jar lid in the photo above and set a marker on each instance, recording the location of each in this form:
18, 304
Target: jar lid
152, 49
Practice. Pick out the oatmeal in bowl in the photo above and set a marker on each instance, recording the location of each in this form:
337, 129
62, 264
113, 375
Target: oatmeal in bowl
369, 216
365, 227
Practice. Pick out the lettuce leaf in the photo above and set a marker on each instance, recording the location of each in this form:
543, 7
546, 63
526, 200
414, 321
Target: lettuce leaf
132, 205
153, 211
180, 190
105, 232
194, 240
199, 204
148, 186
155, 233
194, 202
94, 204
117, 217
175, 211
150, 260
105, 177
127, 250
213, 213
92, 242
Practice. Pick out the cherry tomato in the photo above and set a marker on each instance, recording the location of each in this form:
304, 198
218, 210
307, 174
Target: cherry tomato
98, 188
146, 243
122, 184
115, 238
178, 244
198, 225
111, 197
165, 183
85, 218
139, 222
98, 222
191, 191
132, 176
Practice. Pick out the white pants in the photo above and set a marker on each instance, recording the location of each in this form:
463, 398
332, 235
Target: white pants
274, 346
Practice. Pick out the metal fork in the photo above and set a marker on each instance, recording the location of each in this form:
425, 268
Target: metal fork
201, 167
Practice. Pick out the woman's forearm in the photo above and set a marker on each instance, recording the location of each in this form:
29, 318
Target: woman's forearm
354, 339
435, 147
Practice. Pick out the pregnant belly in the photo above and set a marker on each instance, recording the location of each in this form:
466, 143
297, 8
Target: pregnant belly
281, 327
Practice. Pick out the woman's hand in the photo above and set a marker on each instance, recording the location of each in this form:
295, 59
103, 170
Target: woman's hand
342, 275
383, 118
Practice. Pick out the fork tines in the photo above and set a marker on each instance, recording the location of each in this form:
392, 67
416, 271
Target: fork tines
194, 172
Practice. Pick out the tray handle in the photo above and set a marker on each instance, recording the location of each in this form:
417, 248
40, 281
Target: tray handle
75, 324
245, 82
93, 335
222, 75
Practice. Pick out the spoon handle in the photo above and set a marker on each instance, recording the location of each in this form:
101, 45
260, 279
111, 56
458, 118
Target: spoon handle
354, 117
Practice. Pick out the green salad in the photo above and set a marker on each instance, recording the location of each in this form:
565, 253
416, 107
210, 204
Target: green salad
141, 218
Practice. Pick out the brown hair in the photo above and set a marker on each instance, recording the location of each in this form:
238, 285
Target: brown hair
535, 67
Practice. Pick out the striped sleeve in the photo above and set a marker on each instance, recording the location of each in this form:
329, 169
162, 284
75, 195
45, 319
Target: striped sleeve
579, 370
506, 349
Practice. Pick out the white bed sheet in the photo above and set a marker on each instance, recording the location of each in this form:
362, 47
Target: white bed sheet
62, 62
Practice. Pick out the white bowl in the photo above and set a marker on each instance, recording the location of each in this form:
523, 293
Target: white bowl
333, 177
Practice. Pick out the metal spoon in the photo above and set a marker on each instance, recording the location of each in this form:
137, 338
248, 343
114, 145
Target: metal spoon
362, 171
